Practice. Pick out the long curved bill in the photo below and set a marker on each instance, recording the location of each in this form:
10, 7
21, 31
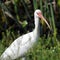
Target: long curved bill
41, 16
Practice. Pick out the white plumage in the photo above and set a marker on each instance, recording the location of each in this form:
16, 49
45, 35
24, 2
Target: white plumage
22, 44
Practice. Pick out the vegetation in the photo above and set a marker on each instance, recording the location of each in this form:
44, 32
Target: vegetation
16, 18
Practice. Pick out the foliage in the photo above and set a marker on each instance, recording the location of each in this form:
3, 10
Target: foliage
58, 2
16, 18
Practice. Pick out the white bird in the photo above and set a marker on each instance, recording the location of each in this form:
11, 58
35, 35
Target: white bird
22, 44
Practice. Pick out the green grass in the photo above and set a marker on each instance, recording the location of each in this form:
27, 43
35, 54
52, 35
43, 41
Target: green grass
40, 51
1, 48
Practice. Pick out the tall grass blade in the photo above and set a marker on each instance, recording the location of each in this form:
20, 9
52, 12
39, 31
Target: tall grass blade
35, 4
52, 15
26, 9
16, 11
41, 7
53, 22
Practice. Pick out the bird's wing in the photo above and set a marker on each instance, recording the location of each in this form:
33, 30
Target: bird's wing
26, 38
23, 39
18, 47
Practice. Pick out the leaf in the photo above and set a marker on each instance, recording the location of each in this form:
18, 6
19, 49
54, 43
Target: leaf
8, 14
24, 23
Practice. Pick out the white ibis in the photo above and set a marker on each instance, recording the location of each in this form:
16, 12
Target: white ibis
22, 44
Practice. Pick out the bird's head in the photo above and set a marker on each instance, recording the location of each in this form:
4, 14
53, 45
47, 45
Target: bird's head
38, 14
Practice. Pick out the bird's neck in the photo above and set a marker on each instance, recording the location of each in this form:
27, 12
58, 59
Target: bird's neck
37, 26
36, 22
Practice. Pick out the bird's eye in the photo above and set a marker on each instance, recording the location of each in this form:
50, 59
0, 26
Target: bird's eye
39, 13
